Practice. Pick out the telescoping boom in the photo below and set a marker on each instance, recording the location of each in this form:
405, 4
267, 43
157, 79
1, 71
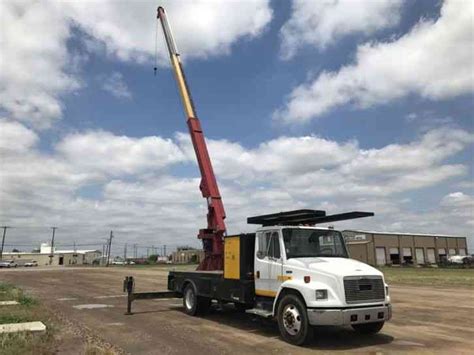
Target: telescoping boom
212, 236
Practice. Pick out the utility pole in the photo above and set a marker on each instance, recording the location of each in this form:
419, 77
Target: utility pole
103, 254
110, 247
74, 256
51, 255
3, 240
125, 252
164, 250
135, 251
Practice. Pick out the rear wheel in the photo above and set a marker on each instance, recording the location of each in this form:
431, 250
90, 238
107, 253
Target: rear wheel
194, 304
293, 320
368, 328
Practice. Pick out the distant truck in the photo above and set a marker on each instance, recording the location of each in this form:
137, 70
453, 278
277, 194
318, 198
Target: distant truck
8, 263
31, 263
461, 259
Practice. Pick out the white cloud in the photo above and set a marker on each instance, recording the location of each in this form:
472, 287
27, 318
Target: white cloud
36, 69
16, 137
201, 28
433, 60
311, 167
116, 86
321, 23
282, 156
433, 148
96, 181
460, 204
34, 59
105, 153
391, 215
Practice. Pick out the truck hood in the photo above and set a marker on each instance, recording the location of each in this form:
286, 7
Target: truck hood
334, 266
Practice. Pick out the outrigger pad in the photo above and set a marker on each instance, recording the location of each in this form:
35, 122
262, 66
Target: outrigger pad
304, 217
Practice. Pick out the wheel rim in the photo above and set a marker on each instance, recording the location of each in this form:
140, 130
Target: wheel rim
292, 319
189, 298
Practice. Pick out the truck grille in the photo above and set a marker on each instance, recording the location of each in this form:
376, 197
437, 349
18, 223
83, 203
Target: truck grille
361, 289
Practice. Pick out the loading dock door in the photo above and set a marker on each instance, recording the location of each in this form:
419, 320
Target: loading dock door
420, 256
380, 256
407, 257
430, 255
442, 254
394, 256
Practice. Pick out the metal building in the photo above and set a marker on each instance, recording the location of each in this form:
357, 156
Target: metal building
383, 248
186, 255
44, 257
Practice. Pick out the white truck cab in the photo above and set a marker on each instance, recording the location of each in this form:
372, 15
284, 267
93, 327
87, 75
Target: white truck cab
312, 280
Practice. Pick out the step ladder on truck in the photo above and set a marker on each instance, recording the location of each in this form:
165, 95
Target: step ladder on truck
289, 270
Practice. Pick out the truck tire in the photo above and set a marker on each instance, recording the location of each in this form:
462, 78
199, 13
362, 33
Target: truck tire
368, 328
194, 304
293, 320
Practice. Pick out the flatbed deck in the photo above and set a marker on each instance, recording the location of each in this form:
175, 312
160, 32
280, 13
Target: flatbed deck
213, 285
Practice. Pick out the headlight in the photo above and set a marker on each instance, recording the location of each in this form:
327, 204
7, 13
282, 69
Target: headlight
321, 294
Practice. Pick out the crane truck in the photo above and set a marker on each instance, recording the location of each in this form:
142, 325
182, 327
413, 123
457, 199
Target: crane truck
289, 269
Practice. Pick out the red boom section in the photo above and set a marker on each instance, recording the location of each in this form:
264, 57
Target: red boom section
212, 237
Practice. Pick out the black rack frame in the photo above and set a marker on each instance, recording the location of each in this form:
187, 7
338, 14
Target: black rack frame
304, 217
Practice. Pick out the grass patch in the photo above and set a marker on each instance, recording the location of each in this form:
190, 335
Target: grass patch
28, 310
439, 277
27, 300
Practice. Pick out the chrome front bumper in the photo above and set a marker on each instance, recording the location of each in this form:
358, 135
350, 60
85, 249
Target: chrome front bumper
318, 316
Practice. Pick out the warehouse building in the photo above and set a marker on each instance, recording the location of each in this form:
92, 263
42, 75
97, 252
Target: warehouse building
382, 248
58, 257
187, 255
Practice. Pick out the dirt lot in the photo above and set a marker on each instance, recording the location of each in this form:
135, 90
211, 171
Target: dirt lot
90, 300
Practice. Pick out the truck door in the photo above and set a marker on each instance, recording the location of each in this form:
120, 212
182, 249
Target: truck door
268, 263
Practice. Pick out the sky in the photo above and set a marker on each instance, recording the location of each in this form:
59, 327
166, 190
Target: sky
335, 105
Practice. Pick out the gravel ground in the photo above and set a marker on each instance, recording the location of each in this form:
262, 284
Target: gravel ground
91, 305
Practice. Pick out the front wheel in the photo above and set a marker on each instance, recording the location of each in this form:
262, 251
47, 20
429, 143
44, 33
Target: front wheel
293, 320
368, 328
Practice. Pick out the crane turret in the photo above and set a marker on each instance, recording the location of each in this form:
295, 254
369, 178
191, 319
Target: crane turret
212, 236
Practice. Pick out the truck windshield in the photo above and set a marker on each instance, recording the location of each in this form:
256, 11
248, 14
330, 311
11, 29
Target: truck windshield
303, 243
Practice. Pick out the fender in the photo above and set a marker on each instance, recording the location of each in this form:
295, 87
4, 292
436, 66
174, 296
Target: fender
185, 282
307, 292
